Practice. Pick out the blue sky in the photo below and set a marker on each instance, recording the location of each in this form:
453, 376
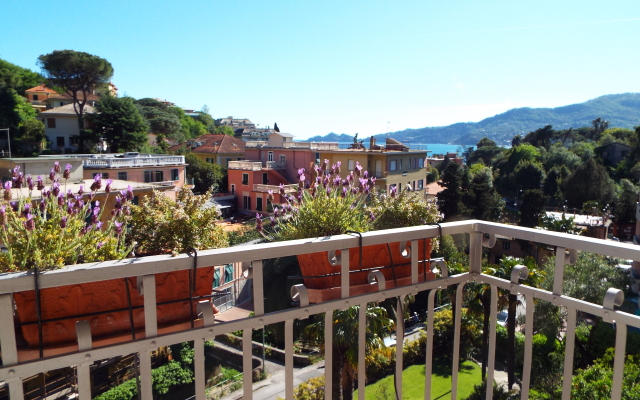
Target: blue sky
343, 66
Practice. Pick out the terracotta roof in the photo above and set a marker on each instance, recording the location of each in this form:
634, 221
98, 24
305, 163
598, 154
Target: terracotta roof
90, 97
214, 144
67, 110
434, 188
40, 89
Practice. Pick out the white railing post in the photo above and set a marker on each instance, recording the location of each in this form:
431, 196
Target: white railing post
362, 331
399, 344
428, 367
456, 341
328, 354
148, 290
344, 273
491, 359
85, 343
288, 361
258, 288
570, 338
7, 331
528, 347
247, 367
475, 253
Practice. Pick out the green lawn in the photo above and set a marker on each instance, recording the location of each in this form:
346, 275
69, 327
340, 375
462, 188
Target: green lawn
413, 383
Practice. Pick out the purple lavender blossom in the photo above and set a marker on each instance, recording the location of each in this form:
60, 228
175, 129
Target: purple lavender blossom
67, 171
63, 222
56, 167
30, 223
118, 227
39, 183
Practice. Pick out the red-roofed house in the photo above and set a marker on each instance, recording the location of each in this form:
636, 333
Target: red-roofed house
215, 149
42, 97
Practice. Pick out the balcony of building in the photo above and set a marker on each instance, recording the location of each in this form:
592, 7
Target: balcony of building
98, 162
256, 165
19, 364
274, 188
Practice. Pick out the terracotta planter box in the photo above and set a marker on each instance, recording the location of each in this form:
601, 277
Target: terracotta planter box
327, 288
69, 303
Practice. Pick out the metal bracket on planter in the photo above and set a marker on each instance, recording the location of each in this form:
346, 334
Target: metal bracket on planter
300, 295
489, 241
404, 250
375, 277
206, 309
334, 259
83, 333
518, 273
572, 257
441, 265
613, 297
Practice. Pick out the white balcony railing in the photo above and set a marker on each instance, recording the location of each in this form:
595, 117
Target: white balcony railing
15, 369
275, 188
311, 145
133, 162
256, 165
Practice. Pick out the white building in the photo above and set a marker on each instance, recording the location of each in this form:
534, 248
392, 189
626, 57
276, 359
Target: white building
61, 126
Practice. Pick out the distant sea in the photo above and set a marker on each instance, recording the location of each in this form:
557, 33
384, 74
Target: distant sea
432, 148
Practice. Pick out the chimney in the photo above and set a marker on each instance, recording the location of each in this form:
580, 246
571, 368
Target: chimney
372, 143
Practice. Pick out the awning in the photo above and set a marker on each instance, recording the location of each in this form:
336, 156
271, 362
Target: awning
224, 204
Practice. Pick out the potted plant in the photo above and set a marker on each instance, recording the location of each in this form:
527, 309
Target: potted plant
161, 225
330, 205
62, 227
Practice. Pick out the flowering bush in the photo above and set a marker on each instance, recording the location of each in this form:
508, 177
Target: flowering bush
62, 228
403, 209
328, 205
161, 224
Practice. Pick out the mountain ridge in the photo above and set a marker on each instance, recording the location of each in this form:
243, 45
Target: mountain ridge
621, 110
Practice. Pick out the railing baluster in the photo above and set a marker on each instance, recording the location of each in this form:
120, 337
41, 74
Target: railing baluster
475, 253
247, 378
328, 354
7, 331
528, 348
85, 343
399, 343
618, 361
456, 341
428, 366
570, 337
362, 329
148, 291
288, 360
258, 288
16, 391
491, 359
199, 375
344, 273
558, 272
414, 262
145, 375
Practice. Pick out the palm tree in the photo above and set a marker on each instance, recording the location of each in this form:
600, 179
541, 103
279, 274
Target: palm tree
345, 342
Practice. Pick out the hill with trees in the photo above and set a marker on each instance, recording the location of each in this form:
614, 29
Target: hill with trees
621, 110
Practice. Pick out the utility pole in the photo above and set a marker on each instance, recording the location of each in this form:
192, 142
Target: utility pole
8, 139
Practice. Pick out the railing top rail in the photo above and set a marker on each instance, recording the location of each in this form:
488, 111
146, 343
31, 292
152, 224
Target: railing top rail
92, 272
132, 267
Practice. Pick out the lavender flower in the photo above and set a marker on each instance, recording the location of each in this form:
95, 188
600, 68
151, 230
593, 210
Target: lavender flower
281, 189
39, 183
30, 223
97, 183
81, 190
42, 206
67, 171
56, 167
7, 190
118, 227
107, 188
63, 222
55, 188
52, 175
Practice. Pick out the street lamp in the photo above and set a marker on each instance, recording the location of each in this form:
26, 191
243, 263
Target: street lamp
8, 139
